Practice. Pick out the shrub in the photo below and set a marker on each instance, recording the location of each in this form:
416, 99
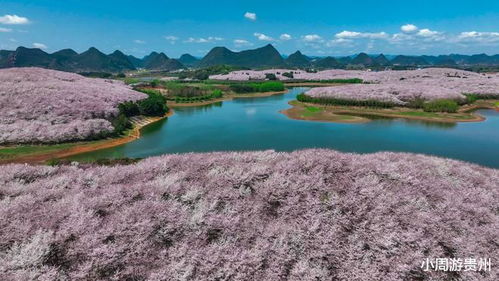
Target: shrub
270, 76
416, 103
242, 88
270, 87
471, 98
154, 83
262, 87
129, 108
202, 75
121, 124
442, 105
288, 74
216, 94
148, 91
187, 91
344, 81
154, 105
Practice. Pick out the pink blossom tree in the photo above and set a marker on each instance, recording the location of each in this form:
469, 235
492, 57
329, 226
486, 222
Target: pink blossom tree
306, 215
46, 106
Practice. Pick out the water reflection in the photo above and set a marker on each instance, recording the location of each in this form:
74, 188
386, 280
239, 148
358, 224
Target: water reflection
429, 124
201, 108
256, 124
411, 122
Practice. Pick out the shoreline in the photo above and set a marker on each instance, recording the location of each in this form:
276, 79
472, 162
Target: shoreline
84, 147
89, 146
298, 111
313, 84
226, 98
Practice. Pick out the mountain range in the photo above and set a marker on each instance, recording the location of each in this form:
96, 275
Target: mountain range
94, 60
91, 60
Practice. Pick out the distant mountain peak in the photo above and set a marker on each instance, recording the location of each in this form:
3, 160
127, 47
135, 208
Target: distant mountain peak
187, 56
160, 61
188, 60
118, 52
381, 60
327, 62
363, 59
266, 56
93, 49
66, 52
163, 55
297, 59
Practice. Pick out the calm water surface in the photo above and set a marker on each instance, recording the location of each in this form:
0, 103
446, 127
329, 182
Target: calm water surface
256, 124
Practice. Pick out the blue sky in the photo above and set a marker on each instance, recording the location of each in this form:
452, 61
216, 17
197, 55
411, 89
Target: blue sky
314, 27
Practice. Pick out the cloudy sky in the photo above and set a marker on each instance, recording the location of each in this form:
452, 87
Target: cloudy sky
314, 27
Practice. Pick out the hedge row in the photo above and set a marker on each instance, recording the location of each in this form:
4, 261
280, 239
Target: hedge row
271, 86
335, 101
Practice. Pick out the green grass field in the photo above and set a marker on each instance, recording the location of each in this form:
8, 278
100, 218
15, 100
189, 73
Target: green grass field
313, 109
16, 151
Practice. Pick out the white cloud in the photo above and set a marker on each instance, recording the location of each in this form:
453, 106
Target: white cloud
139, 41
430, 35
409, 28
250, 16
196, 40
172, 39
347, 34
312, 38
40, 46
13, 19
481, 37
417, 36
425, 32
285, 37
355, 35
378, 35
263, 37
203, 40
399, 37
242, 43
5, 29
340, 42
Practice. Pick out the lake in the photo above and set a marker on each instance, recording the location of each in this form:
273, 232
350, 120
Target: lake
256, 124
